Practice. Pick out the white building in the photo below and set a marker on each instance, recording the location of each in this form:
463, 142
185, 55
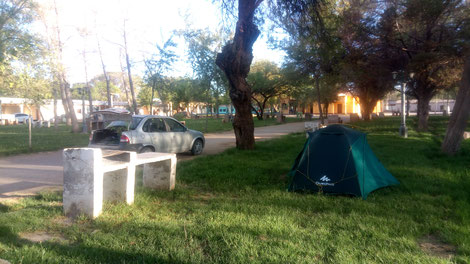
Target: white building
10, 106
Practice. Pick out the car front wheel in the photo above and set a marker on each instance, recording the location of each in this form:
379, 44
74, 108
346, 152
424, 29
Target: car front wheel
197, 147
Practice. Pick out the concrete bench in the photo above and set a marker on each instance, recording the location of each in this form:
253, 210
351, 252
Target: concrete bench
92, 176
310, 127
334, 119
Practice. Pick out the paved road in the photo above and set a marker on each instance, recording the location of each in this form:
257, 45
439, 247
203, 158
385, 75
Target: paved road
24, 175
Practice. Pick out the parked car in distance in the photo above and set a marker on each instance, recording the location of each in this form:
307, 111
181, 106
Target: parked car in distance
148, 133
21, 118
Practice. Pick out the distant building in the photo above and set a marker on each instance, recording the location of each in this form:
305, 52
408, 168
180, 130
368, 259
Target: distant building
345, 104
10, 106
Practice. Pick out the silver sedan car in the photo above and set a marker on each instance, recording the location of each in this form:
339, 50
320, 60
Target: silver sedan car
147, 133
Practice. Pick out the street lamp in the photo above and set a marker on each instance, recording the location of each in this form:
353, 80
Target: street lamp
400, 76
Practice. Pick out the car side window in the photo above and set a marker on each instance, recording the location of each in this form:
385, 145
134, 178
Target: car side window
174, 126
154, 125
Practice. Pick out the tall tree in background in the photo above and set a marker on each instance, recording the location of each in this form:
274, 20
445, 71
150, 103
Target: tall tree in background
15, 39
266, 81
124, 82
65, 86
129, 72
202, 53
369, 60
84, 34
103, 67
159, 64
314, 50
427, 32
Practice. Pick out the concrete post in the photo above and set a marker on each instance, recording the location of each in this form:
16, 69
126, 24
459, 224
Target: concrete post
160, 175
83, 182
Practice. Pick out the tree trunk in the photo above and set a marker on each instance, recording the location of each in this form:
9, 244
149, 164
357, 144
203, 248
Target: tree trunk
131, 83
367, 107
124, 85
235, 61
108, 89
56, 121
407, 106
88, 90
325, 109
151, 100
73, 117
423, 112
317, 85
460, 113
64, 103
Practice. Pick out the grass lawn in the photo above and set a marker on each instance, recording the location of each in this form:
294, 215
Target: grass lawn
14, 139
216, 124
234, 208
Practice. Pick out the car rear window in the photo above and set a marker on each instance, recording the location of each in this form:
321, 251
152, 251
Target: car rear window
135, 122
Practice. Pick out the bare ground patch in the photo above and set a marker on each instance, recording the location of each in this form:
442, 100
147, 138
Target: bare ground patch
42, 236
433, 245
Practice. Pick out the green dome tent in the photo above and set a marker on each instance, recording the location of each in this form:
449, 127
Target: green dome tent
338, 160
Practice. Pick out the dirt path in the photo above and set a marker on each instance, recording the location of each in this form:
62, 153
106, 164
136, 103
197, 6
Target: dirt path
28, 174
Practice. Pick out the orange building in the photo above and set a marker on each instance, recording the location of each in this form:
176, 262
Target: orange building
345, 104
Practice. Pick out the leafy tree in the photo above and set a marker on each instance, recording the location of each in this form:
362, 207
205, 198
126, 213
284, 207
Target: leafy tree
428, 32
460, 114
16, 42
18, 47
157, 66
202, 52
266, 81
369, 60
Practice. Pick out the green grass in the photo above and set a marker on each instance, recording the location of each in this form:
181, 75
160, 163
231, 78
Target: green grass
14, 139
234, 208
217, 124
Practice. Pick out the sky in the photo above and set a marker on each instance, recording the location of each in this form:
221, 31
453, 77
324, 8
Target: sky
148, 22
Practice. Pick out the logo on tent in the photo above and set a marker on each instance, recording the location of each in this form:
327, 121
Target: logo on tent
324, 178
324, 181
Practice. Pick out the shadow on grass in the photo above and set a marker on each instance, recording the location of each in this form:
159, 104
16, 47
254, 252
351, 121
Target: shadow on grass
77, 252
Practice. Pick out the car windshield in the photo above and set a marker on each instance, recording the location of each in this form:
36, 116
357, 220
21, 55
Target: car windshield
135, 122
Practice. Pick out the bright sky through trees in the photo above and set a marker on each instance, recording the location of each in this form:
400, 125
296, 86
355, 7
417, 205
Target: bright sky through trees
147, 22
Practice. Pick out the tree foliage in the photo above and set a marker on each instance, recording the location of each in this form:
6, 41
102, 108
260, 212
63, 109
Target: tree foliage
267, 81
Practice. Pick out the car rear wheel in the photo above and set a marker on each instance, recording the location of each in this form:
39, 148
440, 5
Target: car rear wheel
197, 147
146, 149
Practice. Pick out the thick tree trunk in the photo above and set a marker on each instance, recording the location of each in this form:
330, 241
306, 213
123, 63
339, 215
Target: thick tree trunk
367, 107
423, 112
459, 118
235, 61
